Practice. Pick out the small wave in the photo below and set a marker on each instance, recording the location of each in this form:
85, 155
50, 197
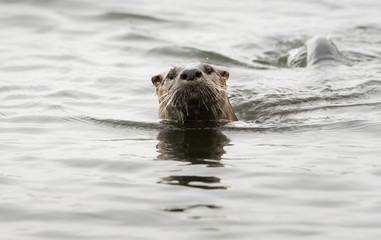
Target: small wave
35, 67
361, 90
12, 88
116, 123
74, 94
359, 56
353, 125
279, 57
138, 38
62, 58
7, 114
37, 22
264, 111
356, 125
120, 16
297, 58
250, 106
197, 55
33, 119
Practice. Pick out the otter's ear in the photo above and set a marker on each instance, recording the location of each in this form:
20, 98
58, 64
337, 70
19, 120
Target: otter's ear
224, 74
156, 80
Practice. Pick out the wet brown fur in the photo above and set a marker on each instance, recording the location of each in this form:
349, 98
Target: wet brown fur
203, 99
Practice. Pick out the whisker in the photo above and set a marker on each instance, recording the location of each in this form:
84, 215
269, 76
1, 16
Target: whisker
205, 105
186, 109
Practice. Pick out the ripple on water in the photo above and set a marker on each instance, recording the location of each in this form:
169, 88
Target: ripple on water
278, 57
329, 96
184, 209
138, 37
126, 16
21, 88
37, 22
72, 94
118, 123
201, 182
193, 54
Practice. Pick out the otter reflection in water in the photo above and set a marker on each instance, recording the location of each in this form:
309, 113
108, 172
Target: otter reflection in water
195, 146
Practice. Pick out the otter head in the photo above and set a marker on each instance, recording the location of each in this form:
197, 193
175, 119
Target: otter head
195, 93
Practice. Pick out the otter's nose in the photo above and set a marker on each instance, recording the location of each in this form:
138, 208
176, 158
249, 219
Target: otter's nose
191, 74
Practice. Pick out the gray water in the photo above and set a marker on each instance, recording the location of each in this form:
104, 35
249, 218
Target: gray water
83, 155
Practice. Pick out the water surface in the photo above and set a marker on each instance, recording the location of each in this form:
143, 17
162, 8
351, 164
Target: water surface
83, 155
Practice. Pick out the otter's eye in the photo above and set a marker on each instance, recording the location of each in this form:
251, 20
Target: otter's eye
208, 69
171, 76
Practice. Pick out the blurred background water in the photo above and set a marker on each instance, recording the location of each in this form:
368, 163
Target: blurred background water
83, 155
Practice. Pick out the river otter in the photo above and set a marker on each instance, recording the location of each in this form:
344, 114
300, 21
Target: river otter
195, 93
